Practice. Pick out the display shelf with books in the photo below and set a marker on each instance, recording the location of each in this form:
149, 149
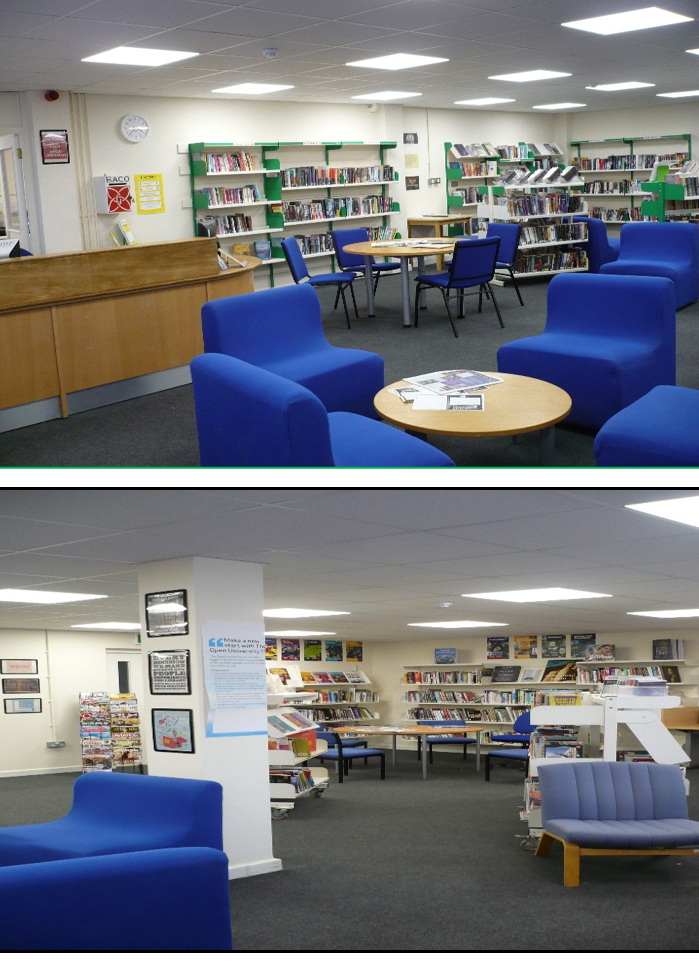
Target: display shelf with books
291, 743
467, 166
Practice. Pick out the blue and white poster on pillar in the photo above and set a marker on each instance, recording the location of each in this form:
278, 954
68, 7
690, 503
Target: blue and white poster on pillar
235, 680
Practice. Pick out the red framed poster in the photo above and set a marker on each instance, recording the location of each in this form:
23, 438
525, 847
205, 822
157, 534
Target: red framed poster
54, 147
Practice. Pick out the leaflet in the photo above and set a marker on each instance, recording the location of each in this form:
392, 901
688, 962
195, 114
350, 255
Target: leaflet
457, 381
448, 403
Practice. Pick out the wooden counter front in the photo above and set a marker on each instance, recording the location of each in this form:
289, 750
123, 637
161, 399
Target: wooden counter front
89, 318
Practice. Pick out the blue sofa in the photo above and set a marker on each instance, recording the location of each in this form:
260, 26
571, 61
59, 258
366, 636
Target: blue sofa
607, 342
281, 330
152, 900
120, 813
660, 250
598, 808
600, 248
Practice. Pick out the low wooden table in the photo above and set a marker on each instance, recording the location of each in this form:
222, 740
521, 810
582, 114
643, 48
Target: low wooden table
403, 253
420, 731
515, 406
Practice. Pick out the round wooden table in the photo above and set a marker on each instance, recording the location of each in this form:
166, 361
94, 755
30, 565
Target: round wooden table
515, 406
403, 253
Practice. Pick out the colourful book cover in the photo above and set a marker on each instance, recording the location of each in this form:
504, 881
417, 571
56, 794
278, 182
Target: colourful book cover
312, 650
291, 649
333, 651
271, 649
498, 647
338, 677
353, 652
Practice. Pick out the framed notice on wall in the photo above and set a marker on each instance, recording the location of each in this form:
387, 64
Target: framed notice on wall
173, 731
54, 147
27, 705
167, 613
19, 667
169, 672
20, 685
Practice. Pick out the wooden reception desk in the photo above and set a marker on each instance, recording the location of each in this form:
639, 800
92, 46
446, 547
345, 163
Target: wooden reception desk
82, 329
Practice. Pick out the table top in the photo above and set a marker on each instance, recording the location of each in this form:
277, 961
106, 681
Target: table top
407, 730
515, 406
439, 219
397, 251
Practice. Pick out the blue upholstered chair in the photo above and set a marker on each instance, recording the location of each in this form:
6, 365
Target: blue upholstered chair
661, 429
607, 342
472, 265
661, 250
600, 248
597, 808
521, 732
507, 753
342, 280
341, 754
281, 330
120, 813
356, 262
247, 416
178, 900
507, 252
438, 741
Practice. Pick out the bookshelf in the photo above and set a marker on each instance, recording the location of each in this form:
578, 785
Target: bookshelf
613, 170
338, 700
291, 743
258, 193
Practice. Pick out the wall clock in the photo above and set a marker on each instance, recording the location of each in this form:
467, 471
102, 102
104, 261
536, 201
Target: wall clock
134, 127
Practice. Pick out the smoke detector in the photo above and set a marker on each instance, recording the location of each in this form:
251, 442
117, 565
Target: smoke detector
270, 52
444, 605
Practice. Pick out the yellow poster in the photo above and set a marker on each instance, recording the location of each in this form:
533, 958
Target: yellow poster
150, 193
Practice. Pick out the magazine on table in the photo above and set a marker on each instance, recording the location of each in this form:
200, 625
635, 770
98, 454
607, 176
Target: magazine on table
425, 402
457, 381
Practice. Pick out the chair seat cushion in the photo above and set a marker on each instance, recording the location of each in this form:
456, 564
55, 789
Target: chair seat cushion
626, 834
348, 753
441, 280
359, 442
511, 753
332, 278
451, 739
386, 266
510, 738
651, 269
661, 429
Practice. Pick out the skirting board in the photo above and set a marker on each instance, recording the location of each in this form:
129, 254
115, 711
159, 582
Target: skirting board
39, 773
236, 871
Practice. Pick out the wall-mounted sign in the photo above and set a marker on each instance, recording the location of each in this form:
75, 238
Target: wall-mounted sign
235, 680
168, 672
150, 193
173, 731
20, 685
167, 613
54, 147
18, 667
29, 705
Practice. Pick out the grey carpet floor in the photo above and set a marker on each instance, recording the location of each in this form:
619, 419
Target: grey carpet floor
160, 431
435, 865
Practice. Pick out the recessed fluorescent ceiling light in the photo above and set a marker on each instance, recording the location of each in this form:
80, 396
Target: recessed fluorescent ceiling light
458, 624
678, 510
297, 633
252, 88
681, 93
116, 626
626, 85
37, 596
385, 95
555, 106
485, 101
535, 595
630, 20
397, 61
300, 613
695, 51
668, 613
526, 75
139, 56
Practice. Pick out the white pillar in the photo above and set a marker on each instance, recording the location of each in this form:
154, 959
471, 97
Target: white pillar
228, 592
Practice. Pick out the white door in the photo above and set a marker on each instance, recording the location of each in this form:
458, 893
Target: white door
14, 222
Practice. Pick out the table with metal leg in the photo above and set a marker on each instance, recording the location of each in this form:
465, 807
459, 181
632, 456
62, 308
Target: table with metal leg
421, 732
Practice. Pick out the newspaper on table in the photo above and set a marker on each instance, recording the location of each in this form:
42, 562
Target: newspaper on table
456, 381
448, 403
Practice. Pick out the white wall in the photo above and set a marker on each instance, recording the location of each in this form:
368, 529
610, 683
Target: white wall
69, 663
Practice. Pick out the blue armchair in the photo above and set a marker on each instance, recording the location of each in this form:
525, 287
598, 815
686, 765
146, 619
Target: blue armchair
178, 900
356, 262
661, 429
281, 330
247, 416
342, 280
607, 342
120, 813
597, 808
661, 250
600, 248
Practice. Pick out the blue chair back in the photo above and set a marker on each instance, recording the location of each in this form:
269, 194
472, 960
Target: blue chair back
264, 327
344, 236
330, 738
473, 262
295, 260
599, 247
247, 416
664, 241
523, 725
509, 240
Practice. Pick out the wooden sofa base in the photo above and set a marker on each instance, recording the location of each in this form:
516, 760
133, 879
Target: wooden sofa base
572, 854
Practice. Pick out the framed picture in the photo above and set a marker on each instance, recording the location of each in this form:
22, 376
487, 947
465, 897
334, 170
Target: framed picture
54, 147
19, 667
20, 686
173, 731
29, 705
169, 672
167, 613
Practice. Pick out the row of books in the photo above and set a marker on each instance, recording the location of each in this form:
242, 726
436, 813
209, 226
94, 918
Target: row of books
286, 722
220, 163
491, 714
382, 234
533, 234
479, 169
330, 176
216, 196
629, 162
233, 224
670, 674
346, 696
469, 195
540, 175
691, 186
560, 261
555, 742
617, 214
333, 676
558, 202
297, 777
474, 150
506, 151
440, 696
319, 714
625, 186
260, 249
324, 208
